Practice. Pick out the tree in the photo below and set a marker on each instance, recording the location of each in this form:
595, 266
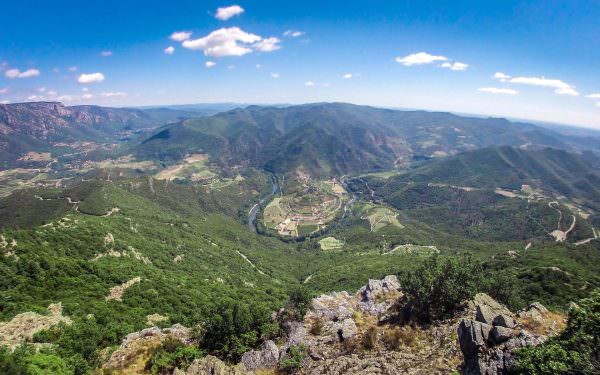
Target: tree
437, 287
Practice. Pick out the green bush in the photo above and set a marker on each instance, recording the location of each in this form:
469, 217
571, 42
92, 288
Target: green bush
575, 351
293, 360
437, 287
172, 354
235, 329
26, 360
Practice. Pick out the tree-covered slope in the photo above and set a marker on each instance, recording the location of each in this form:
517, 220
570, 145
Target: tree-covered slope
329, 139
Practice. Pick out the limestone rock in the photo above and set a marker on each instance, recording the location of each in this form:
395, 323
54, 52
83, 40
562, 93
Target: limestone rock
210, 365
504, 321
501, 334
265, 358
348, 329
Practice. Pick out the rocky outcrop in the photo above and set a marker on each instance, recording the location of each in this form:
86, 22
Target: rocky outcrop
488, 342
210, 365
22, 327
370, 295
265, 358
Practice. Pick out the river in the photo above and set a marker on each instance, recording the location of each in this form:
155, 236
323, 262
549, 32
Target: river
254, 210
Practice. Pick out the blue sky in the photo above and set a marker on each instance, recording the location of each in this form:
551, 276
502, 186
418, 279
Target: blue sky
435, 55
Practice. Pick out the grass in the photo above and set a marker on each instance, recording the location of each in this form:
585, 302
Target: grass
380, 216
330, 243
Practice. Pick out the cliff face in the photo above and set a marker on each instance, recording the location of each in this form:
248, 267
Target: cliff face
42, 119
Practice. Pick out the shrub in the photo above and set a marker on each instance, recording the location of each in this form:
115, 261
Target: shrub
300, 300
235, 329
575, 351
317, 327
172, 354
293, 360
369, 339
436, 288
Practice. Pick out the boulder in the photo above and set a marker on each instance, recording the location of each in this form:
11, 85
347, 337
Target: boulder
348, 329
210, 365
374, 288
504, 321
487, 309
536, 312
473, 337
265, 358
501, 334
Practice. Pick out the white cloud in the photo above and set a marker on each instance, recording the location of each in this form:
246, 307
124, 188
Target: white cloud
41, 89
275, 75
231, 41
106, 53
326, 84
4, 90
598, 104
180, 36
4, 102
594, 96
90, 78
73, 68
87, 96
210, 64
226, 13
347, 76
501, 76
85, 89
457, 66
267, 45
56, 70
16, 73
230, 67
293, 33
309, 83
112, 94
52, 93
34, 98
258, 66
496, 90
560, 87
169, 50
419, 59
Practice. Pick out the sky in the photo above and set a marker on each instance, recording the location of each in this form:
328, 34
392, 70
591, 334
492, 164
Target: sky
537, 60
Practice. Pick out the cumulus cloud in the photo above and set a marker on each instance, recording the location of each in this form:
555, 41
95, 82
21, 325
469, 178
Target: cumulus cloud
4, 102
309, 83
16, 73
52, 93
87, 96
457, 66
501, 76
180, 36
347, 76
106, 53
111, 94
169, 50
4, 90
293, 33
41, 89
65, 98
34, 98
73, 68
210, 64
268, 44
560, 87
496, 90
419, 59
231, 41
226, 13
90, 78
275, 75
594, 96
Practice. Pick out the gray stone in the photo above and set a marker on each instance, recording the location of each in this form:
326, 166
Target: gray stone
265, 358
504, 321
210, 365
348, 329
501, 334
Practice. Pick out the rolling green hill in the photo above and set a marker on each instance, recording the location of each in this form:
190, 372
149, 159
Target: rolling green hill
337, 139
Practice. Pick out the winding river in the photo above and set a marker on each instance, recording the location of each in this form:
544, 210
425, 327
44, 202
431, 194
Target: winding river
254, 210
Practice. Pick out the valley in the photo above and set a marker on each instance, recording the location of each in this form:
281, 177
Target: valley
189, 223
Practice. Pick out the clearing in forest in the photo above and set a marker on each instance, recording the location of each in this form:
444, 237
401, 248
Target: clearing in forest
379, 217
330, 243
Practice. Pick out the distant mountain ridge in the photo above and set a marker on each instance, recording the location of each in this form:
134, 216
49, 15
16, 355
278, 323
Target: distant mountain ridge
338, 138
34, 126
